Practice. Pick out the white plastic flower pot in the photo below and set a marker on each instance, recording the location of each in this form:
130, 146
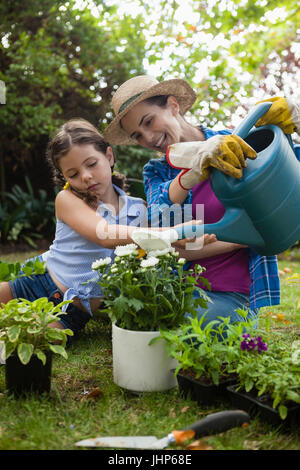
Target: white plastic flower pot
138, 366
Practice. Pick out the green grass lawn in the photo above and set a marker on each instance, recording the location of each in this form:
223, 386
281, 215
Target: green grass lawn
69, 414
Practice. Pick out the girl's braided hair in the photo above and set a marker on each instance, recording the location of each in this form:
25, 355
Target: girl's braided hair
77, 132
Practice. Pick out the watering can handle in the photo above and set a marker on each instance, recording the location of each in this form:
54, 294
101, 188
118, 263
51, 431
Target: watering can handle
248, 122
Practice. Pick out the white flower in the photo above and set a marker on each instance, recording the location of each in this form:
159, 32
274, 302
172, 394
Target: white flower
163, 252
101, 262
114, 270
149, 262
181, 261
126, 250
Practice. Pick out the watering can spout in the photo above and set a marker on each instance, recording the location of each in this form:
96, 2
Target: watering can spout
235, 224
238, 225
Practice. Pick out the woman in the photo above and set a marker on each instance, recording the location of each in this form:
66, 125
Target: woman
151, 114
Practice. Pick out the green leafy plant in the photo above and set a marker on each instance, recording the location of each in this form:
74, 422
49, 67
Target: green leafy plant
209, 351
148, 292
25, 217
273, 374
25, 329
12, 271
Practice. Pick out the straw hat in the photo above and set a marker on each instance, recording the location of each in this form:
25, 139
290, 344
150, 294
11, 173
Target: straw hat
137, 89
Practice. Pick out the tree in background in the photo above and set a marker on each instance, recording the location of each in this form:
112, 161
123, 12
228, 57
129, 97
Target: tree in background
62, 59
58, 61
232, 52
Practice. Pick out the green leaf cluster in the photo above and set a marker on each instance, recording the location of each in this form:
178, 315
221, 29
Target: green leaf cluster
149, 298
25, 330
59, 60
210, 349
275, 373
25, 216
11, 271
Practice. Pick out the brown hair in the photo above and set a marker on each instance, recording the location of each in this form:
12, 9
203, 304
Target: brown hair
77, 132
159, 100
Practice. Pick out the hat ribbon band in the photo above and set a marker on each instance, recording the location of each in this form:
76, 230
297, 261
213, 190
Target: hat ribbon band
127, 102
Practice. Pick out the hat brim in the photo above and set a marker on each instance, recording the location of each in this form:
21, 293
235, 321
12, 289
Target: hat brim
177, 87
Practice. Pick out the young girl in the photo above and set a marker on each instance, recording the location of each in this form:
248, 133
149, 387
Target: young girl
93, 214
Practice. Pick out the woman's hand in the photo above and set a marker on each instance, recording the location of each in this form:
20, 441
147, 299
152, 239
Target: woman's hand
199, 239
209, 249
227, 153
283, 113
199, 242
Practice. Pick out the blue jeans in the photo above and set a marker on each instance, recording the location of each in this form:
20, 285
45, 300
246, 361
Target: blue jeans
224, 304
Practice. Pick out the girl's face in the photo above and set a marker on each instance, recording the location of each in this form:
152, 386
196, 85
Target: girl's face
88, 170
152, 126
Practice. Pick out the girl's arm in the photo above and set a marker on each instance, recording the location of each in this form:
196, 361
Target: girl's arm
211, 249
74, 212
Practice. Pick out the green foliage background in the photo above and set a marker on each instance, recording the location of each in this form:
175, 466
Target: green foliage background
62, 59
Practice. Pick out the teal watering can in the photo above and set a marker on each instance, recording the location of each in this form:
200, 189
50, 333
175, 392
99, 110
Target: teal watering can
262, 209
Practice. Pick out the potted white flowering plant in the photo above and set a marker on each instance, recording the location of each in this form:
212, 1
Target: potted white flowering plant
144, 292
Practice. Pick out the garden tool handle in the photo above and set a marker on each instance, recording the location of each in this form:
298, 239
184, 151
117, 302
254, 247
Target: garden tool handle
249, 121
219, 422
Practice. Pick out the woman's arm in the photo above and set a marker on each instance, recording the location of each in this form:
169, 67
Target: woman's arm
208, 250
177, 194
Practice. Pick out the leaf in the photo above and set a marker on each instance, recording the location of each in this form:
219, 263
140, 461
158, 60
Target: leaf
294, 396
42, 356
282, 411
34, 329
13, 333
136, 304
4, 271
25, 352
57, 349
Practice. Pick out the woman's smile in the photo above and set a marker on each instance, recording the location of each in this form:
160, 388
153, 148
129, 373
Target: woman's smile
162, 143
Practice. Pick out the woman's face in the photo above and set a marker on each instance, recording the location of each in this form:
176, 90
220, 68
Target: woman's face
152, 126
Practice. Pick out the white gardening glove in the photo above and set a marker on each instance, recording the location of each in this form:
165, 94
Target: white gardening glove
227, 153
149, 239
284, 113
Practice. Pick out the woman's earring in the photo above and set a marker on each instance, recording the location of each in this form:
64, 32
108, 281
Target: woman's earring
67, 185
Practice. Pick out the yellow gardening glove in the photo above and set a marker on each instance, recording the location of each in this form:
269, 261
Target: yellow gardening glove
283, 113
227, 153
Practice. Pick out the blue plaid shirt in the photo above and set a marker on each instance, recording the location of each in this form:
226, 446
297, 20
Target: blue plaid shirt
158, 175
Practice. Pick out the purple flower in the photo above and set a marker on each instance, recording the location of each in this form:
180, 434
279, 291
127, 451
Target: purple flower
250, 344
